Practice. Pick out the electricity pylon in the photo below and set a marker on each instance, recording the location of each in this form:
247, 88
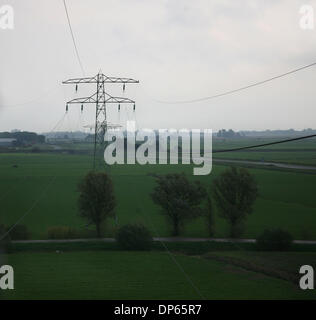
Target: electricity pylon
100, 99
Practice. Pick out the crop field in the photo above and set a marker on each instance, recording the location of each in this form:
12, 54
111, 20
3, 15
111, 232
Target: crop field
143, 275
297, 152
229, 143
43, 187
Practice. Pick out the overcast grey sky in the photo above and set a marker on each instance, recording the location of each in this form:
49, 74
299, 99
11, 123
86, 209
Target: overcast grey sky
178, 49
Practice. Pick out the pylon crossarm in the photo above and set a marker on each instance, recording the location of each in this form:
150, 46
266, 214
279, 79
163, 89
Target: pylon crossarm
83, 100
118, 100
118, 80
108, 100
100, 78
80, 80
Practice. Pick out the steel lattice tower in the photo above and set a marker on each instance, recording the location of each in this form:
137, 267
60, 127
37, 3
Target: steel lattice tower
101, 98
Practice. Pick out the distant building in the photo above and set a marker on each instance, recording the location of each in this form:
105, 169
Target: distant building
7, 142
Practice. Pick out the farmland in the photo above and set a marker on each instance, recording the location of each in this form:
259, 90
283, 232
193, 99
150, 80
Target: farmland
297, 152
286, 199
143, 275
42, 188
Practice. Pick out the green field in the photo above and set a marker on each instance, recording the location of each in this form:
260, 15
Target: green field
297, 152
137, 275
45, 187
229, 143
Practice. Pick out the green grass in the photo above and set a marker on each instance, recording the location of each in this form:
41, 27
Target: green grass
138, 275
286, 199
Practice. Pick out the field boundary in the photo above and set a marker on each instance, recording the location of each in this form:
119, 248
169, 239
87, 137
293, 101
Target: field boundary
158, 239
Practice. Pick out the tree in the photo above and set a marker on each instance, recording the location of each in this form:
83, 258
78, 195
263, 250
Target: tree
235, 192
96, 199
209, 214
179, 199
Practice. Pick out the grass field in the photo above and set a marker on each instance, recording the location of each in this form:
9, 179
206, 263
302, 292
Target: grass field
286, 198
229, 143
141, 275
44, 187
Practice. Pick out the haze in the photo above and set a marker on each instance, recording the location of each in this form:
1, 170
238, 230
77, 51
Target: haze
178, 50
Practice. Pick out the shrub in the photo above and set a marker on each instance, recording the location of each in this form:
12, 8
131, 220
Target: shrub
274, 240
62, 232
134, 237
19, 232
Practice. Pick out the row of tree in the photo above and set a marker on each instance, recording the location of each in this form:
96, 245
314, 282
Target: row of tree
233, 192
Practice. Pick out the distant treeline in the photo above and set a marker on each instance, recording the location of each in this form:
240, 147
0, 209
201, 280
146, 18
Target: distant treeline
223, 133
229, 134
274, 133
266, 133
23, 137
76, 135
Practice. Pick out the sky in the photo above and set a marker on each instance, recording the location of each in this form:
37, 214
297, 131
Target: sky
178, 50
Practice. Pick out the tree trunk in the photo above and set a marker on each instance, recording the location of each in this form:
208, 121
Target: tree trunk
236, 229
175, 227
98, 228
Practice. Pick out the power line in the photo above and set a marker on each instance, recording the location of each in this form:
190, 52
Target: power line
40, 196
173, 258
34, 204
262, 144
238, 89
252, 146
57, 124
73, 38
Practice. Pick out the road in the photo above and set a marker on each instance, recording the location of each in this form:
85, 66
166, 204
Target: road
266, 163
